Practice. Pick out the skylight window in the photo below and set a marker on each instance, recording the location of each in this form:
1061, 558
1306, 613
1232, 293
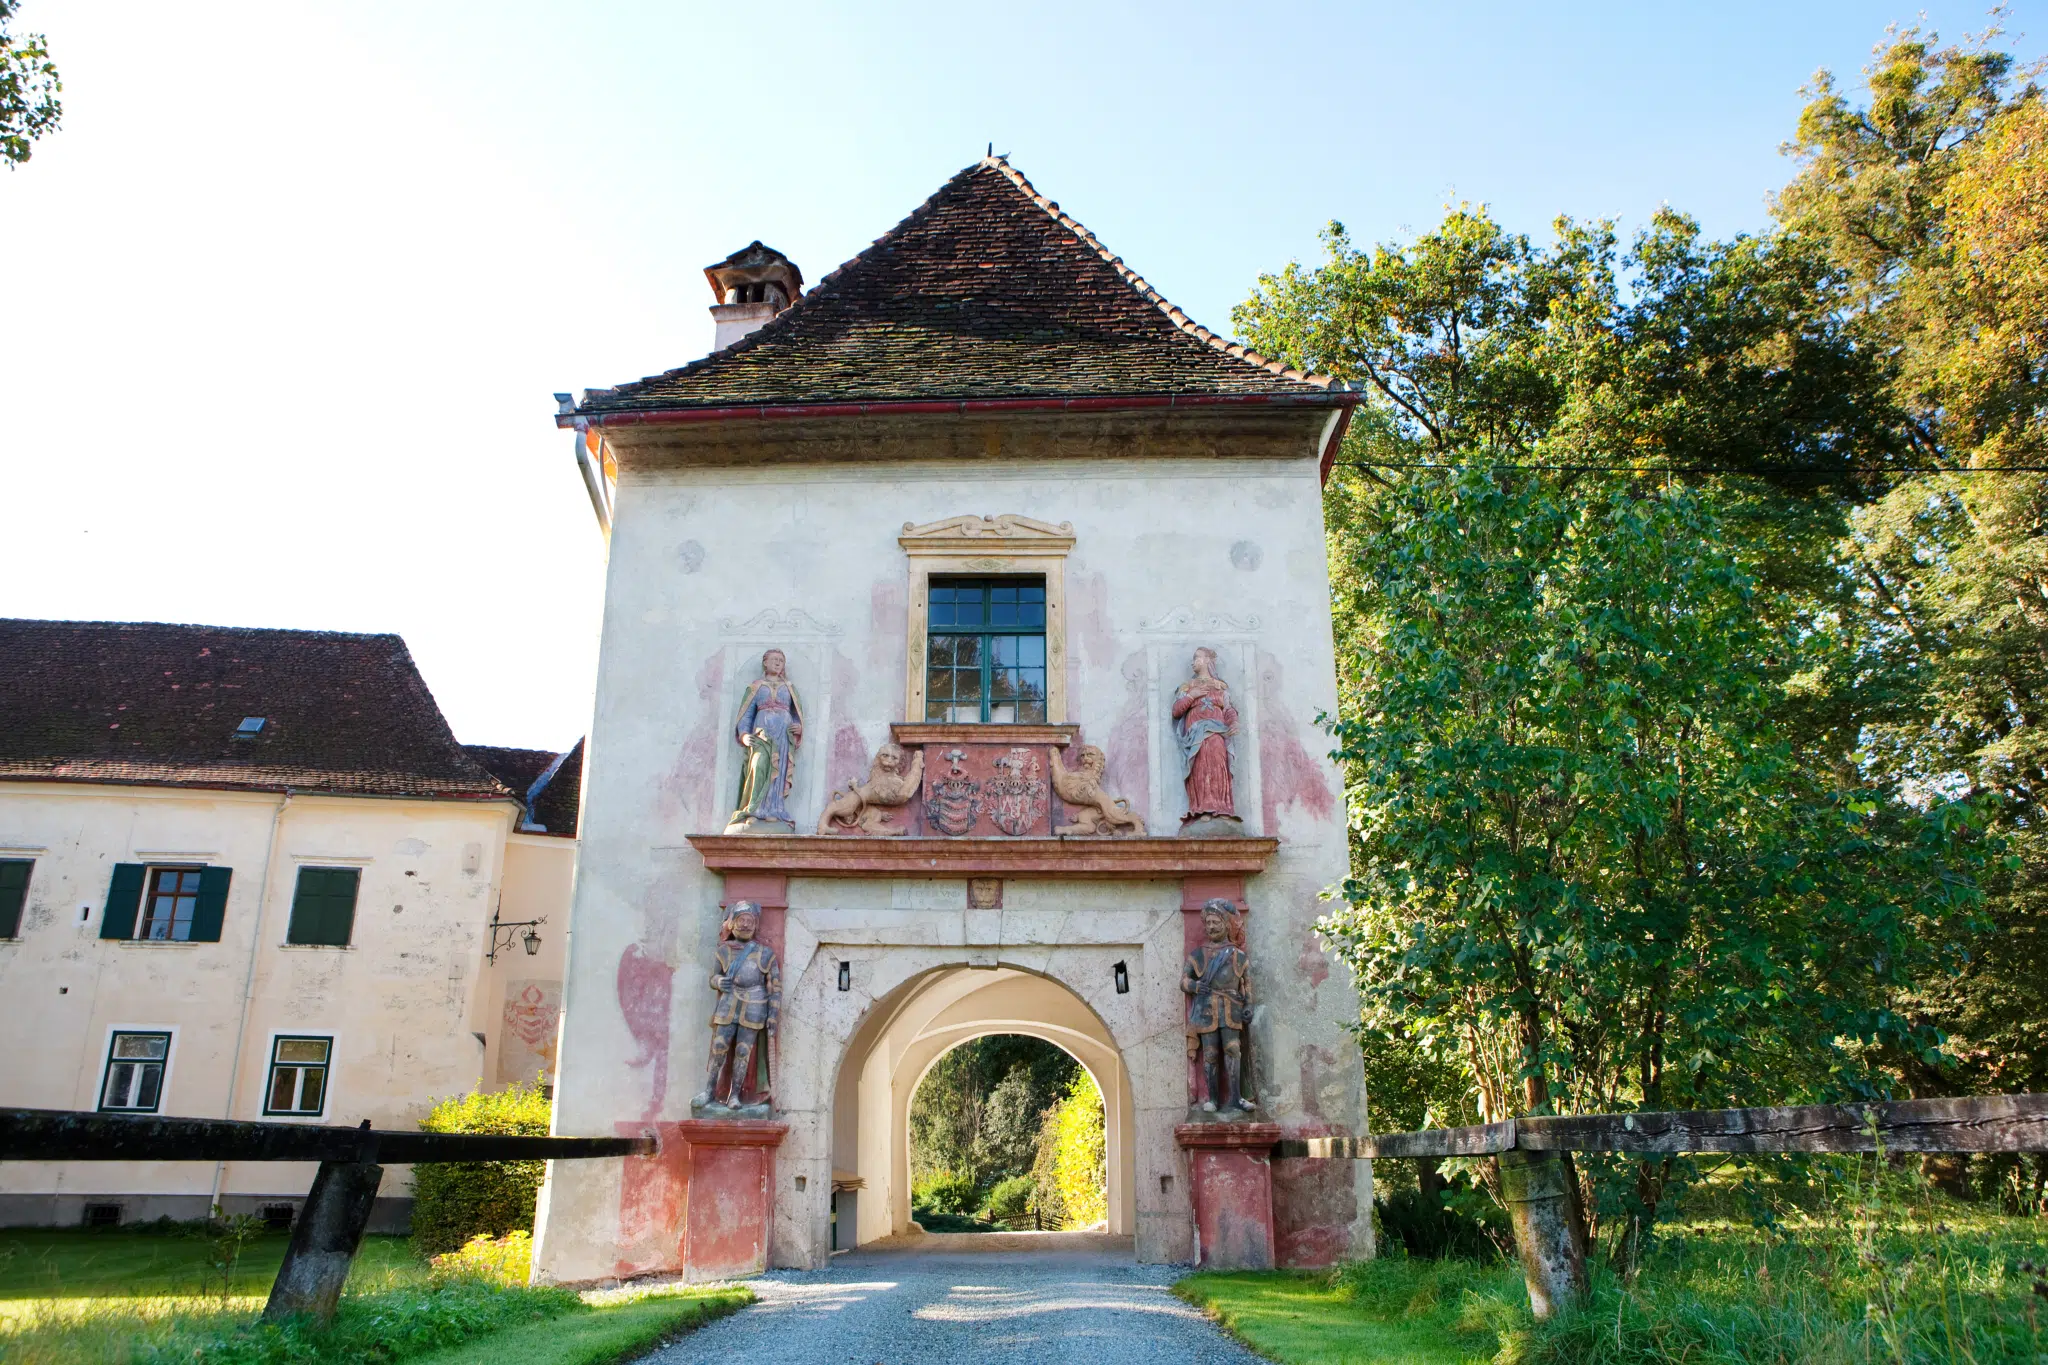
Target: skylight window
250, 727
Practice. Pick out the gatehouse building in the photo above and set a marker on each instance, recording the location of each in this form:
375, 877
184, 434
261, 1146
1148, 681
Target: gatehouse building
967, 622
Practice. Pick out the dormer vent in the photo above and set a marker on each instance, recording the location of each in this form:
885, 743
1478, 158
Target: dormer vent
751, 286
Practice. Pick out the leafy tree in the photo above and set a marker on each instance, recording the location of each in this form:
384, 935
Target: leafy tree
1072, 1168
1934, 201
1612, 845
979, 1109
29, 106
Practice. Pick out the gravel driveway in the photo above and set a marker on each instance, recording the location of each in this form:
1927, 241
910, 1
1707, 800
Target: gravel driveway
951, 1299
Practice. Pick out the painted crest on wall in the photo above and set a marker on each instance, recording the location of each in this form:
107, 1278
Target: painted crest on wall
526, 1048
1016, 796
955, 798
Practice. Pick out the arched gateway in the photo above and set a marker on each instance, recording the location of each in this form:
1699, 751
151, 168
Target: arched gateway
1054, 771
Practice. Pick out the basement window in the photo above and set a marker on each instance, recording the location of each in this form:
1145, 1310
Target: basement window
298, 1076
102, 1216
134, 1081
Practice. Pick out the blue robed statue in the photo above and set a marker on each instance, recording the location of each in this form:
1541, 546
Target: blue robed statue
769, 729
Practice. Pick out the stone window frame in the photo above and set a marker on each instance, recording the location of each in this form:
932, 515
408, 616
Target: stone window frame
984, 547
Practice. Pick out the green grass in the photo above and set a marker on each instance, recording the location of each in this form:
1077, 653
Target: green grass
46, 1263
601, 1335
1848, 1282
1414, 1312
72, 1297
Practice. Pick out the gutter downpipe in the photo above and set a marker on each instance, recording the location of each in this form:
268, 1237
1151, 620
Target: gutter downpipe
220, 1168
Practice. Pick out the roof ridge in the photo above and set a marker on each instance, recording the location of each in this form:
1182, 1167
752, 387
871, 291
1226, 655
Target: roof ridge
768, 330
202, 625
1174, 313
820, 294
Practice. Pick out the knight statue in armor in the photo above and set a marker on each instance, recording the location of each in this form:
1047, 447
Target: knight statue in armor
1217, 980
747, 976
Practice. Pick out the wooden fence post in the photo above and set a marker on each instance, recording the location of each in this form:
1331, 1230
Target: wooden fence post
325, 1240
1532, 1185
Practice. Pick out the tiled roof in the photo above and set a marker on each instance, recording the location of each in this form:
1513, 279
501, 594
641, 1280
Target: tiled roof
123, 702
549, 784
558, 805
988, 290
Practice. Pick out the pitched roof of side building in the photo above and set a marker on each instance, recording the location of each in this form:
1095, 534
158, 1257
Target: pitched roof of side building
987, 291
156, 704
549, 784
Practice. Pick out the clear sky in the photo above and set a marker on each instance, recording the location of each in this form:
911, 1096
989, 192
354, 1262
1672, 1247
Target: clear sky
284, 301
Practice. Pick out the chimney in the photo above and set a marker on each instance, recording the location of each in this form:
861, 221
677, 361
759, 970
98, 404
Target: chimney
752, 285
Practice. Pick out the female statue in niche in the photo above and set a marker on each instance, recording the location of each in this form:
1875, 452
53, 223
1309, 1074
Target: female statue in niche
1204, 720
769, 729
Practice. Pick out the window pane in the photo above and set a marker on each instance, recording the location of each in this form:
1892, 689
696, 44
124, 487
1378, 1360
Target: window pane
302, 1049
942, 650
1032, 592
120, 1084
141, 1046
1002, 684
1003, 713
968, 713
1031, 650
311, 1090
1002, 650
938, 684
1031, 614
967, 652
283, 1080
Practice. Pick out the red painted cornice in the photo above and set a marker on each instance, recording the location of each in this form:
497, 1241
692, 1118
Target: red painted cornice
827, 855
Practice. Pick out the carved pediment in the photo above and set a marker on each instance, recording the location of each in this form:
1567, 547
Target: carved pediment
965, 535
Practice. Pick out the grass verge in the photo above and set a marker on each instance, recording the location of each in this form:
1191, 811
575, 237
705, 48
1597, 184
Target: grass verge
601, 1335
1937, 1284
69, 1297
1415, 1312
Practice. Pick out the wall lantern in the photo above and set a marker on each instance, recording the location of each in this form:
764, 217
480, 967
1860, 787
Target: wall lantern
1123, 979
846, 976
504, 933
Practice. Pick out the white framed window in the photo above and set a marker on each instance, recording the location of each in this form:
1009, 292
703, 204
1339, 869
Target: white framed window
134, 1079
298, 1075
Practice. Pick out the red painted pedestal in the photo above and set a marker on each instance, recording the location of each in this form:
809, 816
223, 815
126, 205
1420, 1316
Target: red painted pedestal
1231, 1174
706, 1198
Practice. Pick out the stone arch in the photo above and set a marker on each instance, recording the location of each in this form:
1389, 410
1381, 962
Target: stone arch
902, 1035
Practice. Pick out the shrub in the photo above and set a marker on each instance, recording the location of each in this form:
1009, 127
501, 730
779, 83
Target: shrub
1010, 1198
1072, 1169
946, 1192
495, 1260
455, 1201
1458, 1223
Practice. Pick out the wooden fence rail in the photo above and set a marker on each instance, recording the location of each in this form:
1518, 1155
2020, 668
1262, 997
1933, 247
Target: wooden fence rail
330, 1227
1533, 1182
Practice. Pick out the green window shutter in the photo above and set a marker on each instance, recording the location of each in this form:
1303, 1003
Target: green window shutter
324, 906
13, 892
213, 904
124, 898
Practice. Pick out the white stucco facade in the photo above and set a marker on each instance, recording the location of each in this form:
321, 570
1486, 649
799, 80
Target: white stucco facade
414, 1011
1179, 541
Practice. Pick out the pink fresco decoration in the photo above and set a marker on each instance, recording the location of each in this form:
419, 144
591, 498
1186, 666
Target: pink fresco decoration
1088, 619
1314, 964
1128, 771
688, 790
888, 622
526, 1046
1315, 1204
645, 985
1288, 776
849, 760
